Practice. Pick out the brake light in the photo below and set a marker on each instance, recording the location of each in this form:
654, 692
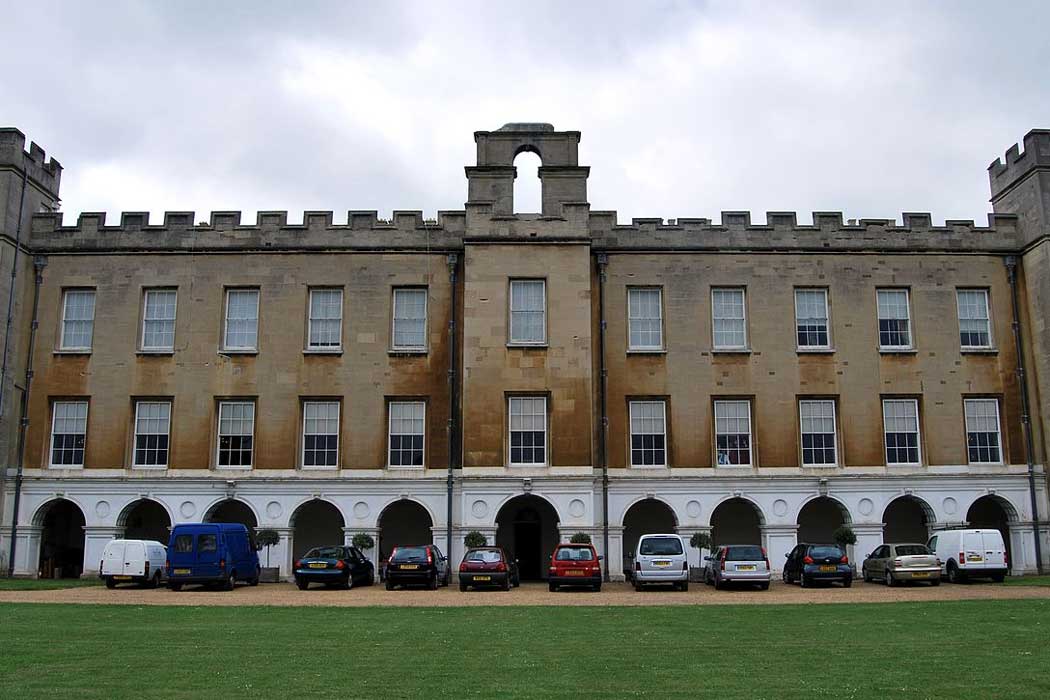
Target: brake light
723, 562
807, 559
430, 557
898, 562
463, 566
222, 563
298, 563
167, 564
962, 557
765, 558
685, 566
340, 565
145, 568
844, 559
501, 567
638, 566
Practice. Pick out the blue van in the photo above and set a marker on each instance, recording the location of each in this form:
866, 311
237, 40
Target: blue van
211, 553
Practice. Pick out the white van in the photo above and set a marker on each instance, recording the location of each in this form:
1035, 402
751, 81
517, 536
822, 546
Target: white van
970, 554
133, 561
661, 559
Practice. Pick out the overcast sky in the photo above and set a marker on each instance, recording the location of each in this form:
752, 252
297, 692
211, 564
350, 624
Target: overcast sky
686, 109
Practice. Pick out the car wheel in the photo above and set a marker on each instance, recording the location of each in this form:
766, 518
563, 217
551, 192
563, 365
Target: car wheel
998, 578
802, 582
254, 581
462, 587
349, 583
597, 588
954, 575
685, 586
389, 585
155, 581
231, 580
175, 587
888, 579
552, 587
517, 582
719, 584
848, 582
865, 575
637, 585
763, 586
784, 576
301, 584
110, 583
432, 584
506, 584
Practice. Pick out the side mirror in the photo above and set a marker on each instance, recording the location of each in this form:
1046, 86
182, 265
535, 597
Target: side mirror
600, 557
709, 558
869, 556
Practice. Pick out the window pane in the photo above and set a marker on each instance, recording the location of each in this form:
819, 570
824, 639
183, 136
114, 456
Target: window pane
818, 432
152, 421
406, 431
527, 311
236, 433
982, 430
78, 319
644, 317
326, 318
68, 433
727, 310
410, 318
242, 318
733, 432
158, 323
320, 434
901, 425
811, 318
894, 318
974, 323
528, 430
648, 434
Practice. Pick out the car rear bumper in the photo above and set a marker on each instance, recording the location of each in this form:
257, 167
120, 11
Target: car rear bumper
125, 578
745, 576
595, 580
979, 571
660, 576
470, 578
321, 575
420, 576
917, 574
842, 573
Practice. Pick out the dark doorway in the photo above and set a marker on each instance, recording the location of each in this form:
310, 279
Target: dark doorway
906, 519
146, 520
315, 524
61, 540
818, 520
993, 513
403, 523
527, 530
736, 521
646, 517
232, 511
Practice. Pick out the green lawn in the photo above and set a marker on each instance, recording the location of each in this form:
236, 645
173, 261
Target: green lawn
971, 649
1027, 580
45, 584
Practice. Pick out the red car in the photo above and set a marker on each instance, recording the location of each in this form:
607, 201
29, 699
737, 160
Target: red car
575, 565
487, 566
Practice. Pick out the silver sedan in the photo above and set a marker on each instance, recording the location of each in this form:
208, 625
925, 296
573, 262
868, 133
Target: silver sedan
896, 563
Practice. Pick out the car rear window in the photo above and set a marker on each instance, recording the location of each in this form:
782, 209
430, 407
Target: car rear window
488, 556
409, 553
907, 550
826, 551
184, 544
326, 553
574, 554
748, 553
660, 546
207, 543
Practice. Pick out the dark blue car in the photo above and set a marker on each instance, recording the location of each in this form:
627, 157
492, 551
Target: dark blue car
210, 554
810, 563
336, 565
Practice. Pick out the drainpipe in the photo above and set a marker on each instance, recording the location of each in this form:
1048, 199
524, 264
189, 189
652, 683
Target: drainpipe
11, 294
603, 262
452, 260
39, 263
1026, 421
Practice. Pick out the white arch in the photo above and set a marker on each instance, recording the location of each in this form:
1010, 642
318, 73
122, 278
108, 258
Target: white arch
498, 509
41, 512
122, 517
747, 499
311, 499
211, 506
1005, 503
847, 516
632, 504
398, 499
927, 510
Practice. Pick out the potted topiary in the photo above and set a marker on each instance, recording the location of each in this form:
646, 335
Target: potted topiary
845, 537
580, 538
364, 542
701, 541
474, 539
267, 539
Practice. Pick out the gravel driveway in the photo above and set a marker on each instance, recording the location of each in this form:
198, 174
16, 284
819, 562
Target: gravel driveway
529, 594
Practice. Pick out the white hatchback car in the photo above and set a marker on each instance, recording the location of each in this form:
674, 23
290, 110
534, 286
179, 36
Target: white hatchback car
661, 559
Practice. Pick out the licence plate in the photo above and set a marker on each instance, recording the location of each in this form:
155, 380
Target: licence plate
974, 558
410, 566
921, 574
661, 563
318, 565
482, 578
828, 568
574, 572
181, 572
121, 578
745, 567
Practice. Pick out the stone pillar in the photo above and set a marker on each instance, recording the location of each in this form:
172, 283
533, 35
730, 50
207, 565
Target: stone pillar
27, 553
1022, 547
96, 538
779, 540
281, 553
373, 553
616, 553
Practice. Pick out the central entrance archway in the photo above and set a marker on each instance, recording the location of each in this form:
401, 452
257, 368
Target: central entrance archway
314, 524
818, 520
145, 519
907, 519
232, 511
527, 530
994, 513
403, 523
61, 539
646, 517
736, 521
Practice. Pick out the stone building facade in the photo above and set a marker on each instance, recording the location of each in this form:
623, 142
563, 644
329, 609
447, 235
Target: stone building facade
528, 376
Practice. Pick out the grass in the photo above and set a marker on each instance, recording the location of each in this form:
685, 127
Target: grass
987, 649
45, 584
1027, 581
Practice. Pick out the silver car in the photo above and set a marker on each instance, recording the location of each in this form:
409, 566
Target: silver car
737, 563
661, 559
897, 563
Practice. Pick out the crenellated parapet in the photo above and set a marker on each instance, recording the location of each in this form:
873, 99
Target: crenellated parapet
224, 230
1003, 177
45, 172
827, 233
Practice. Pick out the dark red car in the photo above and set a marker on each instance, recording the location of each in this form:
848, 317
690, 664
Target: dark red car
487, 566
575, 565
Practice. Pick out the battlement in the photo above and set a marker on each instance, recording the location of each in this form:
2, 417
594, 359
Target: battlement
1036, 154
46, 173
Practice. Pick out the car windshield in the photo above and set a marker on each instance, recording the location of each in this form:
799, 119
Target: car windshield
409, 554
822, 551
660, 546
487, 556
574, 554
325, 553
746, 553
907, 550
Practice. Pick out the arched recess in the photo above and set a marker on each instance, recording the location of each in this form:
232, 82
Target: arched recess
907, 519
315, 523
736, 521
145, 519
61, 539
527, 530
646, 517
232, 511
993, 512
819, 518
528, 190
404, 522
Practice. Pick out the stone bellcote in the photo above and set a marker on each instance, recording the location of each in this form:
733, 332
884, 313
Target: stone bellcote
562, 179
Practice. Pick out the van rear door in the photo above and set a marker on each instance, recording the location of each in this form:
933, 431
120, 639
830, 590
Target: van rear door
208, 553
113, 558
134, 559
994, 549
972, 544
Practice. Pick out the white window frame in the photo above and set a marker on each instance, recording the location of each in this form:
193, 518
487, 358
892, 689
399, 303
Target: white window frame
998, 428
987, 319
511, 312
389, 433
226, 320
51, 443
338, 427
65, 308
750, 432
659, 318
918, 433
135, 435
426, 319
310, 320
743, 318
145, 317
631, 433
546, 431
834, 431
219, 435
878, 318
827, 317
